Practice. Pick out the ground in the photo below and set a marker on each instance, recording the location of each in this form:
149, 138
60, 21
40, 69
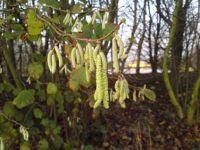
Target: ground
143, 125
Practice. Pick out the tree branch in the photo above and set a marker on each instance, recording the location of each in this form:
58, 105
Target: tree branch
63, 34
167, 20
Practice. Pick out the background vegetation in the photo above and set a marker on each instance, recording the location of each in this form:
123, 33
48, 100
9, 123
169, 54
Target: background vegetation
41, 110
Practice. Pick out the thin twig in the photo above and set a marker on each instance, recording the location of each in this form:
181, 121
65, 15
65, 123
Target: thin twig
63, 34
82, 12
11, 120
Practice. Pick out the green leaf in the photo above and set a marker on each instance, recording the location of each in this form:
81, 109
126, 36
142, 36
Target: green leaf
8, 87
2, 87
50, 127
109, 27
78, 78
25, 146
38, 57
35, 26
22, 1
35, 70
43, 144
45, 122
17, 27
37, 113
33, 37
96, 31
9, 109
57, 141
88, 30
88, 147
24, 98
9, 17
69, 96
99, 32
16, 91
1, 22
56, 130
41, 94
59, 98
8, 35
7, 130
74, 84
60, 108
52, 88
53, 3
149, 94
50, 101
77, 8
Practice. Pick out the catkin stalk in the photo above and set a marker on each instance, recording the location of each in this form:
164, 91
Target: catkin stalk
99, 85
73, 57
80, 51
91, 60
53, 60
115, 56
59, 56
104, 81
49, 60
95, 52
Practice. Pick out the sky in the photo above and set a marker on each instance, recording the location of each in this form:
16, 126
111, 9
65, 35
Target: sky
126, 10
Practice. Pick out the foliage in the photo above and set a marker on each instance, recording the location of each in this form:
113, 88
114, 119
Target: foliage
149, 94
24, 98
55, 66
52, 89
48, 111
35, 70
34, 25
78, 79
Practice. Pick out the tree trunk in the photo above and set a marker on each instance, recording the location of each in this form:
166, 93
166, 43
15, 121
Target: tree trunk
156, 47
134, 28
172, 38
177, 46
10, 64
153, 51
192, 105
113, 10
139, 51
